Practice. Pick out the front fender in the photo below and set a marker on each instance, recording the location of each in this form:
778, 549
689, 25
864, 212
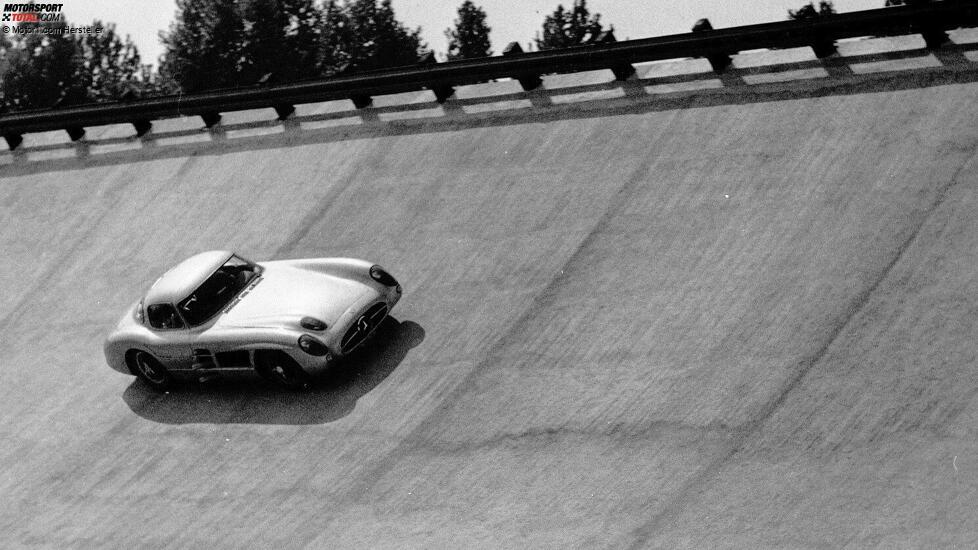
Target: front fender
348, 268
115, 355
126, 335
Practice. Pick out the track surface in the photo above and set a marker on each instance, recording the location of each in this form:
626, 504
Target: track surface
744, 323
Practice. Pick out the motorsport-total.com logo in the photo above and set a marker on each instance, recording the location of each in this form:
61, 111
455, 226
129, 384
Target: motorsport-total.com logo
33, 13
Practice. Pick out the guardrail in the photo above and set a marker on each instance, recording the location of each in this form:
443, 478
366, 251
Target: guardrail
931, 20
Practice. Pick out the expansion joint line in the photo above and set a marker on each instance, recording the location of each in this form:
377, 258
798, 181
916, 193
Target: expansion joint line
645, 532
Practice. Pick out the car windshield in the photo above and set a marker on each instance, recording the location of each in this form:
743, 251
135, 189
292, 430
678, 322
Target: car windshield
218, 290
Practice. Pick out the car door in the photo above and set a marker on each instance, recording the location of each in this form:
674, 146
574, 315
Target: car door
203, 348
217, 349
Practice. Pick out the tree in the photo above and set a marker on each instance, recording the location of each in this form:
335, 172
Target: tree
204, 48
281, 37
336, 37
39, 70
470, 37
228, 43
111, 65
808, 11
369, 36
42, 69
569, 28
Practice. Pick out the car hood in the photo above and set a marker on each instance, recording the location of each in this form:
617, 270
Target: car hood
283, 295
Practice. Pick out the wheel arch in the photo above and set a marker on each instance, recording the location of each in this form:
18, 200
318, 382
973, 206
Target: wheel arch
288, 373
130, 355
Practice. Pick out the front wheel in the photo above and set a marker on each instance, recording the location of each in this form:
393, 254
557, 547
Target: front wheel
282, 370
148, 369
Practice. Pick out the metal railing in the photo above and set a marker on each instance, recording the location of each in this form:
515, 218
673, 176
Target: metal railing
931, 20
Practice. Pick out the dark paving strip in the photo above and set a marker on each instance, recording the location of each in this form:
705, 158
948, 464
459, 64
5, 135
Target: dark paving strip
420, 438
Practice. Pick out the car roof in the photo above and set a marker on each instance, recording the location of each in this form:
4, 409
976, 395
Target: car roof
177, 283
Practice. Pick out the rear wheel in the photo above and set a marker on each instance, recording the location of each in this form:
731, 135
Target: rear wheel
148, 369
280, 369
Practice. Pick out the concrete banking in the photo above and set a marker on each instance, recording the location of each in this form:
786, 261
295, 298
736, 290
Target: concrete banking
681, 312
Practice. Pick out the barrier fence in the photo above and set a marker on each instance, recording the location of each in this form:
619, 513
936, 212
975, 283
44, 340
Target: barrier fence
930, 19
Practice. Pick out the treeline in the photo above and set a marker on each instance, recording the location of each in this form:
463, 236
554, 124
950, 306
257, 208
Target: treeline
222, 44
42, 70
214, 44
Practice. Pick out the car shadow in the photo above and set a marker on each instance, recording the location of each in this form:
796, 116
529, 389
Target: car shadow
249, 399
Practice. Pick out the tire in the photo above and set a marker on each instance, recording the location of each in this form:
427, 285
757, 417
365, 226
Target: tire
283, 371
148, 369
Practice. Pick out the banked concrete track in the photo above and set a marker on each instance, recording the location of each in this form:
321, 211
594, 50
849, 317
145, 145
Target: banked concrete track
679, 312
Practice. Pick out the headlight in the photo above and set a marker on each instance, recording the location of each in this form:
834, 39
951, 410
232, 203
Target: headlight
312, 346
311, 323
378, 274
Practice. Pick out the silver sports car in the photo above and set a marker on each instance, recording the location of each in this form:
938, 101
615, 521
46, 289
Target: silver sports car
218, 313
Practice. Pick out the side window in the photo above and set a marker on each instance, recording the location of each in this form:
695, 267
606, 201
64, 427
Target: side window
163, 316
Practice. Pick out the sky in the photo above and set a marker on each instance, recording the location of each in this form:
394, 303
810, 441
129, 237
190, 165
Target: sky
510, 20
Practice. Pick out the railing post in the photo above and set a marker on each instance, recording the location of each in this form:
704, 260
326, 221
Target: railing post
142, 126
360, 101
933, 33
210, 118
74, 132
929, 28
527, 81
934, 37
719, 61
282, 110
822, 45
13, 140
622, 70
442, 91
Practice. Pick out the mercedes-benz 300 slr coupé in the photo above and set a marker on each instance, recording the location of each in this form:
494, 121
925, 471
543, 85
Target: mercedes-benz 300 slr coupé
218, 313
